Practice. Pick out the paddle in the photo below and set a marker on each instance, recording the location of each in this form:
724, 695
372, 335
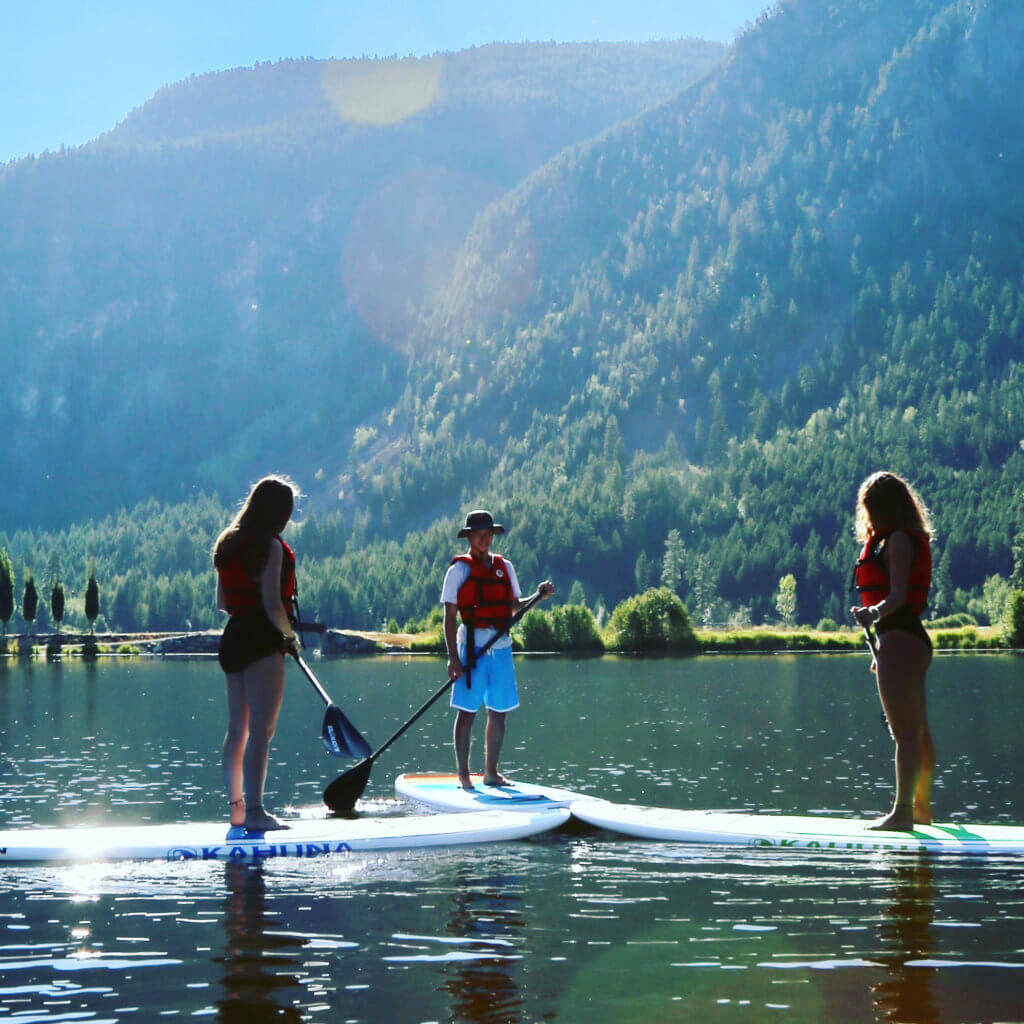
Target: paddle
340, 737
347, 788
869, 637
872, 641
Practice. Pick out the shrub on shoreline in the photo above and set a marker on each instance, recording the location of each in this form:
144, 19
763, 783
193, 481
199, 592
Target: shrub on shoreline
653, 621
570, 627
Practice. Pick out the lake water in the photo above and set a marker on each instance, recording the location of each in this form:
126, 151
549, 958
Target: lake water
573, 926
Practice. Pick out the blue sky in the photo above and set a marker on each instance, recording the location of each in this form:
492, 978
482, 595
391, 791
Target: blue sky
71, 69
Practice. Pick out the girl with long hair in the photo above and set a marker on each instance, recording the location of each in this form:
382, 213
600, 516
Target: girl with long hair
893, 575
255, 585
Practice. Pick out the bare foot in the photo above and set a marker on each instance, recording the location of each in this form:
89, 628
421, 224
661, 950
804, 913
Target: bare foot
237, 812
922, 815
257, 820
899, 819
466, 782
497, 780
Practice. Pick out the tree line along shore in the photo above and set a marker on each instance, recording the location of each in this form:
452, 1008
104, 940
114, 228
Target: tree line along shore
655, 622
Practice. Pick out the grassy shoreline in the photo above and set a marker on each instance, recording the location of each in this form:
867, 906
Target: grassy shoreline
762, 640
752, 640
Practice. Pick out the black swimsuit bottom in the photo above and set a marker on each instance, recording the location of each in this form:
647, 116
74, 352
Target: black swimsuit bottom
248, 637
905, 619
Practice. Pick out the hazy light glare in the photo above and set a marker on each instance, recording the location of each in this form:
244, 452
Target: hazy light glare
382, 92
403, 241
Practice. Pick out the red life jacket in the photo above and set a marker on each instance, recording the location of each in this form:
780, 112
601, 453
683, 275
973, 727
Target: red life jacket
872, 581
243, 594
485, 599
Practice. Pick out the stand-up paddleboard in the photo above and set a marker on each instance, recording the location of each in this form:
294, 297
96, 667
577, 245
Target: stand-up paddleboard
795, 832
442, 792
304, 838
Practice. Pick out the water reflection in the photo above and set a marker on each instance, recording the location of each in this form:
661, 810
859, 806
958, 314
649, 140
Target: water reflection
907, 934
482, 987
90, 694
256, 964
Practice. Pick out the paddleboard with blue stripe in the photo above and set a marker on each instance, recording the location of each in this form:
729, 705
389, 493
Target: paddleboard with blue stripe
304, 838
442, 792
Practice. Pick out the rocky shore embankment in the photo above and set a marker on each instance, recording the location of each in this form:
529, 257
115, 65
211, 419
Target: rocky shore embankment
201, 642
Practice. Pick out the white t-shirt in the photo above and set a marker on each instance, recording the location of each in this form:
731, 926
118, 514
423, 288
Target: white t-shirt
456, 575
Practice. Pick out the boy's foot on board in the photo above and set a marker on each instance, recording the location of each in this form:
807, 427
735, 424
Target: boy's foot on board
466, 782
237, 819
496, 780
257, 820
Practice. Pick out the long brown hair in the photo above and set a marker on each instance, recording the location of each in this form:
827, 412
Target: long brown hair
886, 501
263, 515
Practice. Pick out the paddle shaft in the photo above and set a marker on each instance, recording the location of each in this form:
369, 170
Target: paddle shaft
872, 642
472, 661
308, 672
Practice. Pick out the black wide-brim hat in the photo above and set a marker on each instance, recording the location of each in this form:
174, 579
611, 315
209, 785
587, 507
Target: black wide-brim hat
480, 519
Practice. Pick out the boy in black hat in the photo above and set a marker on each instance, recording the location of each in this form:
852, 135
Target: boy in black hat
482, 588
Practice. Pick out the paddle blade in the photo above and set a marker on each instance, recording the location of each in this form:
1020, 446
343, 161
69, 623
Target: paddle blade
340, 737
347, 788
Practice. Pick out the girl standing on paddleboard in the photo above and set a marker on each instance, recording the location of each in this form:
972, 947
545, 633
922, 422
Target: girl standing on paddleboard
255, 585
892, 576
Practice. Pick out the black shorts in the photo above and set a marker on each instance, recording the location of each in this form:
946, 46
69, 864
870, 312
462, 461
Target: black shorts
903, 618
247, 638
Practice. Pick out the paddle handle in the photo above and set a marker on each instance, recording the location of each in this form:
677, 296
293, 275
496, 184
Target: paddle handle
473, 660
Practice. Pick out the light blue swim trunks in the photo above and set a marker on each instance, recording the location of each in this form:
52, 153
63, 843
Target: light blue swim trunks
493, 682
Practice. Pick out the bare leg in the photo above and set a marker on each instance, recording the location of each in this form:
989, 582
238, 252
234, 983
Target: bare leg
495, 735
264, 692
463, 736
923, 793
903, 661
234, 745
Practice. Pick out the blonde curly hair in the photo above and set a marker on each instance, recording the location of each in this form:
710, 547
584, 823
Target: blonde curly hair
887, 501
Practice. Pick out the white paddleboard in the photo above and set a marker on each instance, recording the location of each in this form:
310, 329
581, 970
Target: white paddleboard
442, 792
304, 838
795, 832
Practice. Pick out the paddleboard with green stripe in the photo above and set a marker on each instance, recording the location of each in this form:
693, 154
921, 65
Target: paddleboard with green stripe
809, 832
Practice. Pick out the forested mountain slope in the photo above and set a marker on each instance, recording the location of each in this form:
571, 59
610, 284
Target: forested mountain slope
226, 280
674, 349
805, 267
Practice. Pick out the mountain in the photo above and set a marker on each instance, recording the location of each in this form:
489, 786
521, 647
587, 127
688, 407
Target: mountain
673, 349
801, 269
225, 281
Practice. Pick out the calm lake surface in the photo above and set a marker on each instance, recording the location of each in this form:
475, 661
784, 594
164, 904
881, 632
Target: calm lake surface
577, 925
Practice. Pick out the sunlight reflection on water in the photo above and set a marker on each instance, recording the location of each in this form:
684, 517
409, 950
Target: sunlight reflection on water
573, 926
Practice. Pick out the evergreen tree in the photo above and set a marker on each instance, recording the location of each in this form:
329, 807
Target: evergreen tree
92, 600
1017, 576
673, 562
30, 601
702, 586
643, 572
6, 589
942, 587
57, 603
